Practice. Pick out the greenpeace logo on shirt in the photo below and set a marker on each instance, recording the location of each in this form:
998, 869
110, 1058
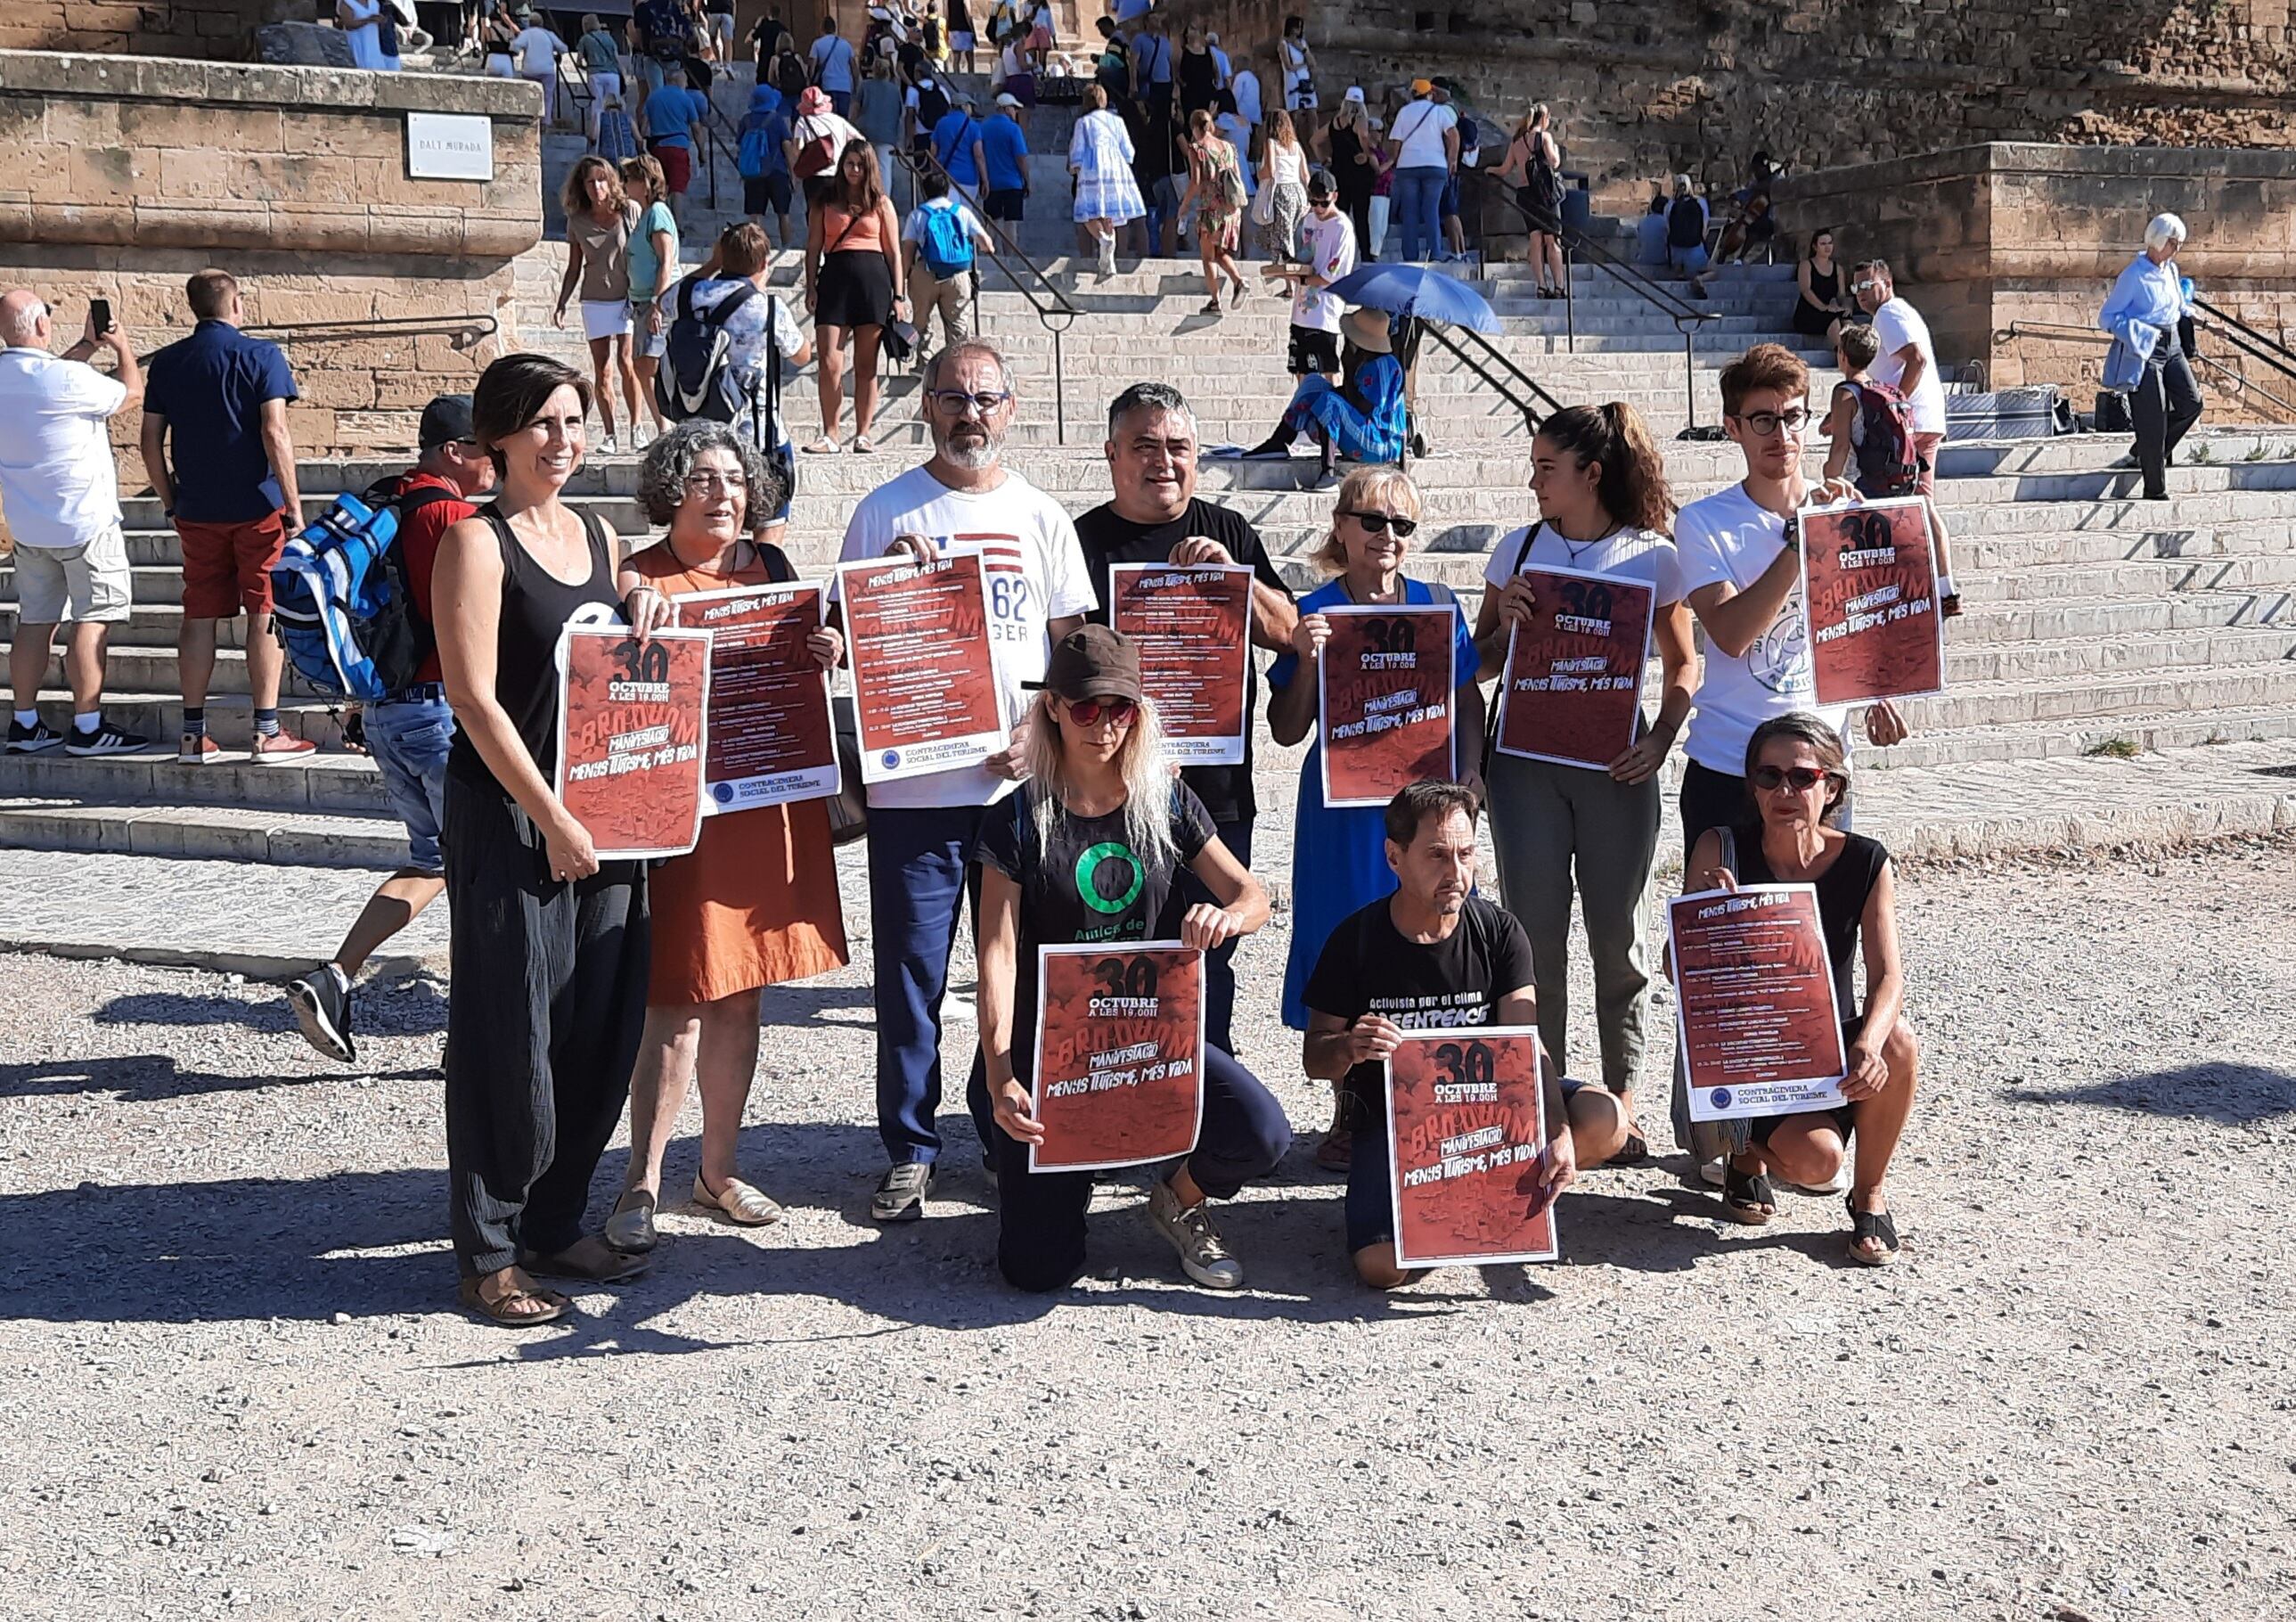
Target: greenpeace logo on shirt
1436, 1010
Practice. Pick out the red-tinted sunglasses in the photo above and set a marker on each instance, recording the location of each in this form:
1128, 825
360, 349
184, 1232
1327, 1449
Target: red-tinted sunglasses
1090, 711
1769, 779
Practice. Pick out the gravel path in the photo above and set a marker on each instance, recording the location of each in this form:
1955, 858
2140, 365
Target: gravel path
233, 1384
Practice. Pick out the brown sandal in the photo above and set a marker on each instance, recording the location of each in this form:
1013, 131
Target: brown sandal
504, 1309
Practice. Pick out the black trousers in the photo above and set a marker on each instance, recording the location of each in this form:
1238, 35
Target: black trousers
543, 1022
1358, 210
2162, 407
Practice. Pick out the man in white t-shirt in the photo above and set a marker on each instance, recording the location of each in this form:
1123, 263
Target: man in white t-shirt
59, 487
1426, 139
1244, 84
922, 830
1742, 572
1329, 240
1907, 362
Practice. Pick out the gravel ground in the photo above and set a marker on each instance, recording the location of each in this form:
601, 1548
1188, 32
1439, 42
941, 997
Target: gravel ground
237, 1384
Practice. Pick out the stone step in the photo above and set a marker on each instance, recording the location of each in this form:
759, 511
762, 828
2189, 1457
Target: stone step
285, 838
2032, 741
2100, 700
148, 703
336, 783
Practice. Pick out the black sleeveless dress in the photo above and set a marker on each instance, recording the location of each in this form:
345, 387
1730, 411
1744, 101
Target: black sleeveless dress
1812, 323
535, 608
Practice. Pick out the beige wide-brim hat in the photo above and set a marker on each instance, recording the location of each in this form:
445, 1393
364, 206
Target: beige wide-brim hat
1367, 330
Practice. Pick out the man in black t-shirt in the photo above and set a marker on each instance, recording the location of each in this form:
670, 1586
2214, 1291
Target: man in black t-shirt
1155, 517
1431, 956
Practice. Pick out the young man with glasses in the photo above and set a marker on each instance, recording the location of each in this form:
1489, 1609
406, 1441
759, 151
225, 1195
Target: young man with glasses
1741, 573
408, 733
923, 830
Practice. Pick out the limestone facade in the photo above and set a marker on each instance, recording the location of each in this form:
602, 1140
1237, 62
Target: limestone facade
216, 30
129, 173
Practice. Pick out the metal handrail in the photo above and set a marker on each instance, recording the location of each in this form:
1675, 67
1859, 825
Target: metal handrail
2231, 332
2282, 359
1686, 317
2243, 385
1053, 309
1481, 356
467, 332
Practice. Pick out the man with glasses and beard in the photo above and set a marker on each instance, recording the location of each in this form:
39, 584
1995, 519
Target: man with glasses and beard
1741, 573
922, 829
1157, 517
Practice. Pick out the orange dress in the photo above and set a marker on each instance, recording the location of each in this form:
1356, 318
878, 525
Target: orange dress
756, 902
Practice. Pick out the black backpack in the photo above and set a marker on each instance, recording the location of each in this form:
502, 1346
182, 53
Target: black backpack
695, 378
1686, 223
932, 105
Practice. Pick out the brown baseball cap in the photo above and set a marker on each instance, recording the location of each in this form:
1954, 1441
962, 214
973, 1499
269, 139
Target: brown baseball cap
1093, 662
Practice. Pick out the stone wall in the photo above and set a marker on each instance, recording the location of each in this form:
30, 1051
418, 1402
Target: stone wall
1642, 88
127, 174
216, 30
2009, 249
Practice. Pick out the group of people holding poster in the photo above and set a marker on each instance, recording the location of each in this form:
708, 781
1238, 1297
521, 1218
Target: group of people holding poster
1053, 722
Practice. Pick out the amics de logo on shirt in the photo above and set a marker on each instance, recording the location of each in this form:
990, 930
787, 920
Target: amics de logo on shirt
1109, 878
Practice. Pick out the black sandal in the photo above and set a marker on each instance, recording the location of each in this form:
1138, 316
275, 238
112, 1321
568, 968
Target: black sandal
1747, 1196
1873, 1225
1633, 1151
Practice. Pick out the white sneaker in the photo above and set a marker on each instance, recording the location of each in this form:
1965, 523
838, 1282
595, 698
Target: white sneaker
1714, 1172
607, 447
1204, 1256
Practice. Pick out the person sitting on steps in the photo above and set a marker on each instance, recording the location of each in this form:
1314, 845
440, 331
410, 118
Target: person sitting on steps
1364, 419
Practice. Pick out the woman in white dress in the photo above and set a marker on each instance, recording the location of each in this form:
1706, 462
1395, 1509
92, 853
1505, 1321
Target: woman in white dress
361, 21
1100, 157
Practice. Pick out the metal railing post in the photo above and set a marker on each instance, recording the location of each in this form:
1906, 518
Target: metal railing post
1689, 379
1569, 303
1060, 393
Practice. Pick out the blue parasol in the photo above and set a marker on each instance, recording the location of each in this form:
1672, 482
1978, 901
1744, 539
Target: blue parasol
1413, 290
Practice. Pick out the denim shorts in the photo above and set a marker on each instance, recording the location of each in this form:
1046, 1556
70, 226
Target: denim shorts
409, 739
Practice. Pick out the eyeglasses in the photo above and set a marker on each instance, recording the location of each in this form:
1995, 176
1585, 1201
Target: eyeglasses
1380, 523
1092, 712
707, 482
1769, 779
955, 402
1793, 419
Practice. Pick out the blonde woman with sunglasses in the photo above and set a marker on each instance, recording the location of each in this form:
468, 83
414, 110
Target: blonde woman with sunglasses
1339, 856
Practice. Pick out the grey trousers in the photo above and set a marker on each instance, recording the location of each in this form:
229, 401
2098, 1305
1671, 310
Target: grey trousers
1549, 824
543, 1022
953, 299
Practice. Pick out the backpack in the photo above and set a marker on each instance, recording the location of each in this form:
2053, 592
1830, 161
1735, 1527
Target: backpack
933, 104
1886, 463
342, 607
617, 137
1228, 180
756, 158
1686, 223
945, 240
788, 76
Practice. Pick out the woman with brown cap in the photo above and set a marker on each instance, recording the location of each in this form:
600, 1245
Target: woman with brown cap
1090, 850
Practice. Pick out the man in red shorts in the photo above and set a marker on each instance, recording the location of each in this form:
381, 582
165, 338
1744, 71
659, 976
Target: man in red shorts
217, 451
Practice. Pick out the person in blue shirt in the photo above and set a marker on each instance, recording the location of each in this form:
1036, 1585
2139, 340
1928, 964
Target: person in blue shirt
673, 115
957, 145
1339, 856
1005, 147
770, 190
218, 452
2143, 312
1365, 419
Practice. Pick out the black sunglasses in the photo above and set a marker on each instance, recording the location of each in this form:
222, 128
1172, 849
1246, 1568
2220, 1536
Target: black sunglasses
1380, 523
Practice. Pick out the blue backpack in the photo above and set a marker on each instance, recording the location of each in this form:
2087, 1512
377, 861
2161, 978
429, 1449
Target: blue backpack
759, 151
617, 137
341, 601
947, 242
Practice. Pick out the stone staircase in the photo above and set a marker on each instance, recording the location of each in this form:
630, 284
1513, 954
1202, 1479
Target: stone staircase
2093, 621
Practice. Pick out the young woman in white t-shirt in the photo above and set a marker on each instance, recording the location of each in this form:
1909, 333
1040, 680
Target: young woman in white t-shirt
1604, 508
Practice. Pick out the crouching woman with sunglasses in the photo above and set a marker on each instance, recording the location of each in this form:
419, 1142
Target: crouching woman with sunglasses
1797, 776
1339, 856
1090, 849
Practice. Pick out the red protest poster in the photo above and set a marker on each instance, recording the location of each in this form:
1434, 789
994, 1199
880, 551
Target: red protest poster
1572, 690
1194, 626
630, 737
1869, 593
925, 676
1754, 999
1385, 716
1466, 1123
771, 739
1120, 1075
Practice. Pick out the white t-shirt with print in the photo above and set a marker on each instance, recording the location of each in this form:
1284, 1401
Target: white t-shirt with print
1421, 128
1035, 573
1331, 254
1896, 325
1726, 537
1640, 555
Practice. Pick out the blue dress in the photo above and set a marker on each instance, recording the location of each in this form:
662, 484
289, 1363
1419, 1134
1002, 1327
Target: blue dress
1373, 435
1338, 858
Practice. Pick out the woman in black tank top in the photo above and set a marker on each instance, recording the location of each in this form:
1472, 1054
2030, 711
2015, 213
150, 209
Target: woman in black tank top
549, 949
1797, 774
1818, 300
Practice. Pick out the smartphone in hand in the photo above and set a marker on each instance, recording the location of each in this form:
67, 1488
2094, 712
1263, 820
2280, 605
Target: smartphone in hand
100, 310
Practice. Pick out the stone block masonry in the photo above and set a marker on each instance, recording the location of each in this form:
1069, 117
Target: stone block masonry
218, 28
129, 173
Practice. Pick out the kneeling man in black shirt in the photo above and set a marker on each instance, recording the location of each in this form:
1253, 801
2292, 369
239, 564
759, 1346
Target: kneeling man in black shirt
1431, 956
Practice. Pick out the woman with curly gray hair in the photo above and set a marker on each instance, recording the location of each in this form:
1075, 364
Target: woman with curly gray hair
755, 902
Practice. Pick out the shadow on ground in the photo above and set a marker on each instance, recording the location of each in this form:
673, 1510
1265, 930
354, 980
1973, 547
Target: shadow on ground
371, 1243
2231, 1095
151, 1078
